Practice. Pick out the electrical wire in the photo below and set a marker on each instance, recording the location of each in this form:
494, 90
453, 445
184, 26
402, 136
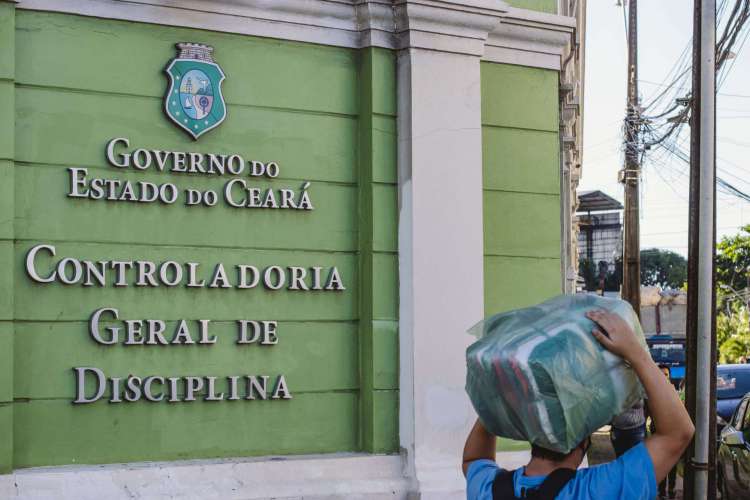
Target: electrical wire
656, 131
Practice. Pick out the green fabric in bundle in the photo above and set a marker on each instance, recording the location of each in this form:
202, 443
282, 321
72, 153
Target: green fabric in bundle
538, 375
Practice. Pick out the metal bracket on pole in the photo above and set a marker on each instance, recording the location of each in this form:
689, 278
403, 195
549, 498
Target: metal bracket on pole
627, 175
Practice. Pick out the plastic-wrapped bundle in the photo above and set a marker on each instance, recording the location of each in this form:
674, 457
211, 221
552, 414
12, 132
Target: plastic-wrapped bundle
538, 375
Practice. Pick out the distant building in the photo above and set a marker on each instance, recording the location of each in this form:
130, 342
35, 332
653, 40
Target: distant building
663, 319
663, 312
599, 229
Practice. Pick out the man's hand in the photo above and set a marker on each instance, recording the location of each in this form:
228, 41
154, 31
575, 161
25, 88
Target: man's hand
615, 335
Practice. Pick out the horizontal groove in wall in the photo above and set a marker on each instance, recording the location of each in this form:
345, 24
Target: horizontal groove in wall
152, 172
534, 257
32, 86
494, 190
510, 127
352, 252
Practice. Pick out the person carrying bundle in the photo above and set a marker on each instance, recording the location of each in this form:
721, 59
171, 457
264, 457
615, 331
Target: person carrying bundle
553, 474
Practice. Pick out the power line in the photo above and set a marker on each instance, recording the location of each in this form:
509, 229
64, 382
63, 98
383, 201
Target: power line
685, 232
723, 94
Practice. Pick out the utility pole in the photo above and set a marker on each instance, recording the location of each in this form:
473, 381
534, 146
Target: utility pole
630, 175
700, 473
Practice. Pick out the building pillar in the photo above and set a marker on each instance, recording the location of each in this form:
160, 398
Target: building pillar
440, 231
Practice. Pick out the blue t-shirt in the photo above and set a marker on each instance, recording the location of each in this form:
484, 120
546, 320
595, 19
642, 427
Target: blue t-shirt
630, 477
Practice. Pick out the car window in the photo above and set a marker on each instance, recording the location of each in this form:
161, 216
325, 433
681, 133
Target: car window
732, 383
738, 415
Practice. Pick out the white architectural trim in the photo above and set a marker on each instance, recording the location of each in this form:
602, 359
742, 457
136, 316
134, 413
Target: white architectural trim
524, 37
460, 27
441, 264
528, 38
342, 477
571, 133
321, 21
342, 23
441, 253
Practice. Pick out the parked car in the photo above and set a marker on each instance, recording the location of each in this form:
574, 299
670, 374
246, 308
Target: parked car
732, 383
733, 458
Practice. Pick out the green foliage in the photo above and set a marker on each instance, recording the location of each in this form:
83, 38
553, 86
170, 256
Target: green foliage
732, 282
733, 333
733, 260
663, 268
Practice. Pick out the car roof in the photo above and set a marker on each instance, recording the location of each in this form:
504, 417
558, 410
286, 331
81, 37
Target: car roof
736, 367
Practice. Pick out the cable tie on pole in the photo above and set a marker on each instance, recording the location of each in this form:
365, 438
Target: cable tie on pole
699, 465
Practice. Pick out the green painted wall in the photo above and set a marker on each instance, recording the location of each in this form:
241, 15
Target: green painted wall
378, 243
549, 6
325, 114
7, 144
520, 155
521, 185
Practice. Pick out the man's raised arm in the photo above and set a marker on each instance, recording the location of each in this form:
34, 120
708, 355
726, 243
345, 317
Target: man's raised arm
480, 444
674, 429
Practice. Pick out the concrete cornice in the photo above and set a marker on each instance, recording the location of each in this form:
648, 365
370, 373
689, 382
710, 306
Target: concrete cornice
326, 22
487, 28
531, 39
375, 24
460, 27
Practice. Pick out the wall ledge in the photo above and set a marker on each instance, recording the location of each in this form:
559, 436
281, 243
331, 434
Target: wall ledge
530, 38
486, 28
337, 476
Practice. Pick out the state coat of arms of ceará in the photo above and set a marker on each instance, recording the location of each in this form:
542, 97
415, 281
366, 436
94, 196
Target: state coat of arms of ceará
194, 100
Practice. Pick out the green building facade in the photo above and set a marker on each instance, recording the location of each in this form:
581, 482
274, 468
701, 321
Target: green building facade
243, 240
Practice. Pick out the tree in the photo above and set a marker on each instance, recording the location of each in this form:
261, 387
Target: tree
663, 268
733, 260
733, 333
733, 289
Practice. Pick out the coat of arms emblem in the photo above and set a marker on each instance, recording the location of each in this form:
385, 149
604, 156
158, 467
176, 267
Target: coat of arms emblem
194, 100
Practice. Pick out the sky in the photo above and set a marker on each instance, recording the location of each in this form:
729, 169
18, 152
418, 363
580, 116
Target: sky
665, 30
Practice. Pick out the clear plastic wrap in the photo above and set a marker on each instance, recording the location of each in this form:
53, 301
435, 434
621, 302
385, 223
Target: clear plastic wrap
538, 375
